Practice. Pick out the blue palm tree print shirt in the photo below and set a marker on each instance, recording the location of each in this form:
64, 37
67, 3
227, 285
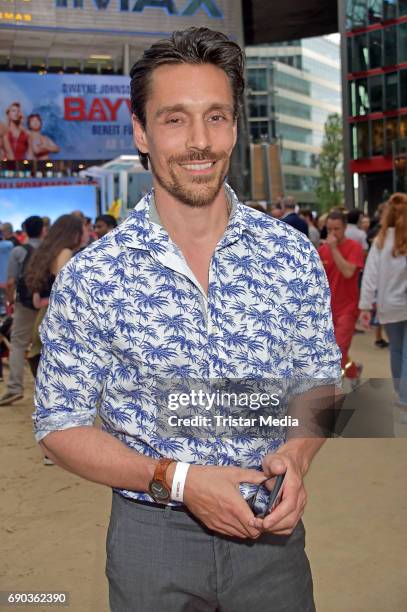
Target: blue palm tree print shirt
128, 311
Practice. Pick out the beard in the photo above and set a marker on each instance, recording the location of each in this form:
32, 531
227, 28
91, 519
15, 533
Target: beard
199, 191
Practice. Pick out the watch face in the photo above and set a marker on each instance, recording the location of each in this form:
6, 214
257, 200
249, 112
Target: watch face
158, 491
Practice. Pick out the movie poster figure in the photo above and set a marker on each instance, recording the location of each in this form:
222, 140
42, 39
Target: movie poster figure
16, 140
3, 130
41, 145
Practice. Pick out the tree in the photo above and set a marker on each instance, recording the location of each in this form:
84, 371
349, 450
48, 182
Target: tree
330, 191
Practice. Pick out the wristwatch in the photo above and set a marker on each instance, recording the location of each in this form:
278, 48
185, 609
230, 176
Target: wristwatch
158, 488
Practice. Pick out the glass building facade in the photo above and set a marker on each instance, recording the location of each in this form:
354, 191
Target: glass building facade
376, 39
292, 89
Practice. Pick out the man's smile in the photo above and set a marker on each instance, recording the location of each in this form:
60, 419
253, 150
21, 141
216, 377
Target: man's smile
199, 167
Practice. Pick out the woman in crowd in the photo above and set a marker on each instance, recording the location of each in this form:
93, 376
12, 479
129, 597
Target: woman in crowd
61, 242
386, 273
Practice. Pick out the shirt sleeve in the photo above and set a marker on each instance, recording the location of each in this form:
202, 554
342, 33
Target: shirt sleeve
75, 357
316, 356
16, 258
369, 279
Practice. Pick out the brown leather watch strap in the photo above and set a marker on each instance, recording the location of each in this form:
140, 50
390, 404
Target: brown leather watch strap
161, 469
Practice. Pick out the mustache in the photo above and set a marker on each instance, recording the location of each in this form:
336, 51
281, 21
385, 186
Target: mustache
196, 156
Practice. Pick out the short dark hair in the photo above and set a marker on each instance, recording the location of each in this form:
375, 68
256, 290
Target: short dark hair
307, 213
191, 46
336, 215
33, 226
108, 219
32, 117
289, 202
354, 215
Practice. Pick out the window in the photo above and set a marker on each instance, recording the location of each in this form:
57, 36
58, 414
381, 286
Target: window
354, 141
257, 79
292, 83
402, 42
374, 11
376, 94
350, 53
375, 49
362, 97
403, 126
298, 134
300, 158
403, 88
362, 139
352, 98
403, 7
258, 106
259, 130
391, 133
357, 13
390, 46
294, 109
361, 53
389, 9
392, 98
378, 137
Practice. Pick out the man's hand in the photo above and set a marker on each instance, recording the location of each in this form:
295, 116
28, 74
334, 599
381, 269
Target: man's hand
212, 495
283, 520
365, 318
331, 241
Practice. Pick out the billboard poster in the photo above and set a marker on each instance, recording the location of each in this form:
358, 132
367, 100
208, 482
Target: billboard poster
64, 116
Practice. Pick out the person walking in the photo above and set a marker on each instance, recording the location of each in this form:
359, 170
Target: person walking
104, 224
353, 229
313, 232
386, 275
24, 311
6, 246
182, 290
291, 217
343, 260
61, 242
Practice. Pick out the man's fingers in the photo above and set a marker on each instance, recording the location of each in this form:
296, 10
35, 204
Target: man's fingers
274, 465
250, 476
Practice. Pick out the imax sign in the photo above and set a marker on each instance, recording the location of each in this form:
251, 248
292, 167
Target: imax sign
138, 6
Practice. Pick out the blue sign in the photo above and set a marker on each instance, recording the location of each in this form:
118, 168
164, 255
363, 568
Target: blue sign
64, 116
138, 6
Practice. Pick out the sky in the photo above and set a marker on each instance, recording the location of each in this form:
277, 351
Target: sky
19, 203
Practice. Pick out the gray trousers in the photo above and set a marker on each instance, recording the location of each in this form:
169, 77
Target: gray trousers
21, 333
159, 559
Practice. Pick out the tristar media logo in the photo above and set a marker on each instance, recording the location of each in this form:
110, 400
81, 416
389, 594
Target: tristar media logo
138, 6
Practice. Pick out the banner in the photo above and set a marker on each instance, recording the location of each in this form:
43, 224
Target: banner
64, 116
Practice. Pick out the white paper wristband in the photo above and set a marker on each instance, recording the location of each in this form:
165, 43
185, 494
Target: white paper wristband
178, 482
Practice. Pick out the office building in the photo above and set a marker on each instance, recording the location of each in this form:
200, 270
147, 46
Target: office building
376, 100
292, 89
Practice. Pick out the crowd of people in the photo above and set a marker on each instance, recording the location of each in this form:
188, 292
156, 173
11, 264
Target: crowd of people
30, 260
364, 259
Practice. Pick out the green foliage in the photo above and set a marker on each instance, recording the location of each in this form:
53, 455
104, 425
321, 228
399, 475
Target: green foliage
330, 191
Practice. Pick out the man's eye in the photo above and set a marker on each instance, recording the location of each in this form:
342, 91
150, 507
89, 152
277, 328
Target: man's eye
216, 118
173, 120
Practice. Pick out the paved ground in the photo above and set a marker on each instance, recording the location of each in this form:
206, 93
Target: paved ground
52, 524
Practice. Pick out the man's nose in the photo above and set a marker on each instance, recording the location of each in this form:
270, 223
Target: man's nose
198, 134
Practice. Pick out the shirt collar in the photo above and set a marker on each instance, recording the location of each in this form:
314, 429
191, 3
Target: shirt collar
143, 230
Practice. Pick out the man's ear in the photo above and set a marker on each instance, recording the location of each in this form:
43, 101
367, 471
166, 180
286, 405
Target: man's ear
139, 135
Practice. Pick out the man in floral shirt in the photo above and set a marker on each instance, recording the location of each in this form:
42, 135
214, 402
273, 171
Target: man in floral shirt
192, 287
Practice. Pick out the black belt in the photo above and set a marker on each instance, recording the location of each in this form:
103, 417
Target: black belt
142, 502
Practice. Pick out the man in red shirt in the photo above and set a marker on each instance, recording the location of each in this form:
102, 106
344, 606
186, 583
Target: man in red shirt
343, 259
